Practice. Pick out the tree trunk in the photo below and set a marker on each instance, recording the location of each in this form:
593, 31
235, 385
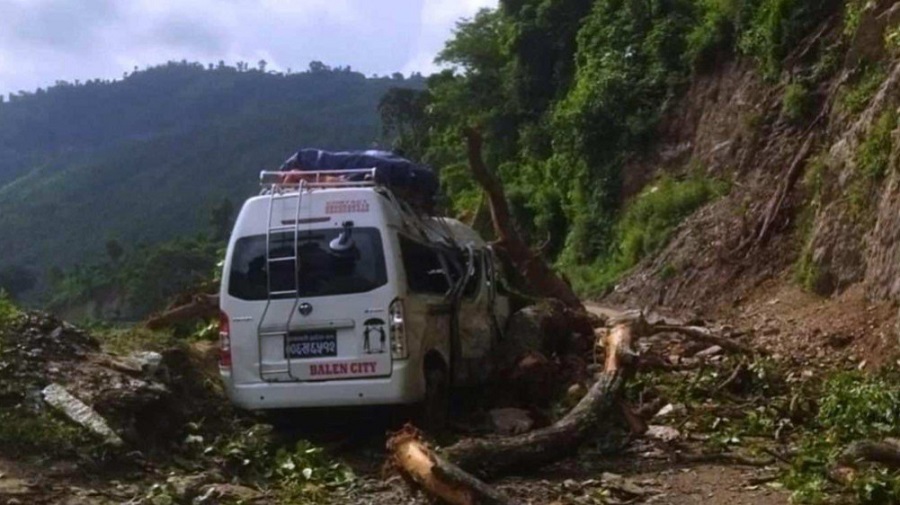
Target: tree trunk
499, 456
532, 267
201, 307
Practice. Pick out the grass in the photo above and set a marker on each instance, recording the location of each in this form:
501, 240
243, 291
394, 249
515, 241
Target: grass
645, 227
23, 431
872, 163
806, 272
856, 97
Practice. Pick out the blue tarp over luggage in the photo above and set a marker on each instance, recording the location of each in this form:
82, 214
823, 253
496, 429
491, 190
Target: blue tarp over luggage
390, 169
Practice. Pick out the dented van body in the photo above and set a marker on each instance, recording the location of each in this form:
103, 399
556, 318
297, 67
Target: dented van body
337, 293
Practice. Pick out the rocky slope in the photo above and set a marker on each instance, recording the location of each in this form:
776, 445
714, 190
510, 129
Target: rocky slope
815, 199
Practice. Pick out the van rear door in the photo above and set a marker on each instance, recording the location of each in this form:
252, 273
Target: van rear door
323, 310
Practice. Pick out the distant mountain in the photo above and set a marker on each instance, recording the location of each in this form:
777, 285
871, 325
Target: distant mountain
145, 158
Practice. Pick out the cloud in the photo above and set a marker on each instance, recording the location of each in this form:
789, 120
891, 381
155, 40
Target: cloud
437, 21
42, 41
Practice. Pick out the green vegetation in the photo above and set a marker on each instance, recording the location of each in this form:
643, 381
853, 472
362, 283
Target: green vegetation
853, 407
873, 156
138, 281
568, 92
806, 271
142, 160
24, 431
797, 103
775, 28
856, 97
853, 16
872, 162
646, 226
302, 473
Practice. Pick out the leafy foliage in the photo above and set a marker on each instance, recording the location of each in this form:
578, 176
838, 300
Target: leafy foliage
300, 474
853, 407
647, 224
568, 92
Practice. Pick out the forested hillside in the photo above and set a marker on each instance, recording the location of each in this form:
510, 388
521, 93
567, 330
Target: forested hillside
146, 158
575, 98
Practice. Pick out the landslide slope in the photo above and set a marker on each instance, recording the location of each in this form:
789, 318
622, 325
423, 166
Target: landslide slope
812, 156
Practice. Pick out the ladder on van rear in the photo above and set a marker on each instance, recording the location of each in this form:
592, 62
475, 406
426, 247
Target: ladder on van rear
288, 185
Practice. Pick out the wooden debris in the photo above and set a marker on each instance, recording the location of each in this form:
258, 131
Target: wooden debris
886, 452
425, 470
707, 336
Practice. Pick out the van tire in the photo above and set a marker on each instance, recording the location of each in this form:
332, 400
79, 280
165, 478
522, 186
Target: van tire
435, 408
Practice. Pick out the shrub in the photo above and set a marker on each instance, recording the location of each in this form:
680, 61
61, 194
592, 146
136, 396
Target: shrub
873, 156
649, 221
645, 227
713, 34
776, 26
797, 103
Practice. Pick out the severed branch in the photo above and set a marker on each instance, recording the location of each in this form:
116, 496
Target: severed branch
533, 268
424, 469
707, 336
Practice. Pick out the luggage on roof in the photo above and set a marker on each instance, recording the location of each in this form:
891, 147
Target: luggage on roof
400, 174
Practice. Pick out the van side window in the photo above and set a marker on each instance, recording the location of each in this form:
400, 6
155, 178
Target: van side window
424, 269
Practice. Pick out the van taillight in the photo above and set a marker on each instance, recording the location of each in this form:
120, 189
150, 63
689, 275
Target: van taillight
399, 347
224, 341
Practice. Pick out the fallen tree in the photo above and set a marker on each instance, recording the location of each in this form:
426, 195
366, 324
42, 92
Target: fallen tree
448, 475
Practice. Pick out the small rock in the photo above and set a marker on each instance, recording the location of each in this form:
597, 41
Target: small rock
227, 493
57, 397
511, 421
671, 410
663, 433
709, 351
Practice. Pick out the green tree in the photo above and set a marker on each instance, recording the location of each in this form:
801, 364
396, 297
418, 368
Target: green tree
16, 280
114, 250
220, 219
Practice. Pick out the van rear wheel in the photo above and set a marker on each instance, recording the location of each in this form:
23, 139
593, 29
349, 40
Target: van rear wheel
436, 405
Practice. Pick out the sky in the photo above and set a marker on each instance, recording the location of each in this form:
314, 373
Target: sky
42, 41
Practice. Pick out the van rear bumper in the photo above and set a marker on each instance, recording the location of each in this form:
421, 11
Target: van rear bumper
402, 387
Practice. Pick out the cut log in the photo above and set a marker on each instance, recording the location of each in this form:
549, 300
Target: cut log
533, 268
425, 470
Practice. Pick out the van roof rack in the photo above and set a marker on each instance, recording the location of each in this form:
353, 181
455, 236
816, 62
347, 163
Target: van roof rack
277, 180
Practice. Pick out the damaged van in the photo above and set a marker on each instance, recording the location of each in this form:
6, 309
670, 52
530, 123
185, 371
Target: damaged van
340, 287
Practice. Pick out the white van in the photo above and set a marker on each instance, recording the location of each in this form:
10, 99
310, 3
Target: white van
337, 293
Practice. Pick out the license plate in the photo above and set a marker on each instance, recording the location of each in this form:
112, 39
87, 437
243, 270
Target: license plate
317, 344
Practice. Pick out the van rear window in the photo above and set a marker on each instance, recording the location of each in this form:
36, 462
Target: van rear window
321, 272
